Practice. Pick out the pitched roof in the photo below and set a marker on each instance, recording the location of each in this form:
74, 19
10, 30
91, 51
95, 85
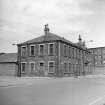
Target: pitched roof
8, 58
49, 37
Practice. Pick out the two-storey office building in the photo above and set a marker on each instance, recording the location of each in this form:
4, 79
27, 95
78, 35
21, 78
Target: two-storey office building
50, 55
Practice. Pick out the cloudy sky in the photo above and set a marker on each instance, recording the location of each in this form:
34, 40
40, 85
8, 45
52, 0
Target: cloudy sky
21, 20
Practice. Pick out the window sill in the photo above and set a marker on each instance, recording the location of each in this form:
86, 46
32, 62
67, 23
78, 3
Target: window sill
23, 56
32, 55
67, 72
50, 55
41, 55
22, 72
50, 72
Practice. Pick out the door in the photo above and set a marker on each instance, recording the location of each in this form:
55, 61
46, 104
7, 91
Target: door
41, 68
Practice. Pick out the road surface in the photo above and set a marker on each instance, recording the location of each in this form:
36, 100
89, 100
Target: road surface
54, 91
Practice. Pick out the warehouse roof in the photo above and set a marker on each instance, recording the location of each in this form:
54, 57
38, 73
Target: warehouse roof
8, 58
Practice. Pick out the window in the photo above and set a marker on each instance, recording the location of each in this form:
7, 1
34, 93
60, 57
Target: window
65, 67
32, 50
32, 66
41, 64
23, 67
65, 50
73, 52
103, 61
41, 49
23, 51
51, 49
51, 66
69, 67
69, 52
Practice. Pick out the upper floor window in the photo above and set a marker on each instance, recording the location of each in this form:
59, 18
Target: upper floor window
41, 49
77, 53
23, 51
65, 50
69, 51
32, 50
51, 49
74, 52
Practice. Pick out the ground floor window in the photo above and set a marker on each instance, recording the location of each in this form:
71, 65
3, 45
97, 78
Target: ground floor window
70, 68
65, 67
23, 67
32, 66
51, 66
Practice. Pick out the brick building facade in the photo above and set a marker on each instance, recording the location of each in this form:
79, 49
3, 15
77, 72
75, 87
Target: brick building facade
52, 55
98, 59
98, 56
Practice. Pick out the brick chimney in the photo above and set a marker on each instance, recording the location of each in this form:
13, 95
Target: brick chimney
80, 39
46, 29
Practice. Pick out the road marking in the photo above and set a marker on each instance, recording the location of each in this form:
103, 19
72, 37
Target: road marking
97, 100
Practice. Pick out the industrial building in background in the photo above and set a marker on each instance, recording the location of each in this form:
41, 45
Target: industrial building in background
98, 59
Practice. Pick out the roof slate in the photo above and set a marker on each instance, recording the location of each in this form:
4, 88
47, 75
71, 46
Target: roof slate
49, 37
8, 58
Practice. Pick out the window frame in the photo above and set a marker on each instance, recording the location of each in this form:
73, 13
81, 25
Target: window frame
30, 50
65, 47
22, 68
70, 67
22, 51
39, 53
49, 66
49, 49
30, 66
66, 68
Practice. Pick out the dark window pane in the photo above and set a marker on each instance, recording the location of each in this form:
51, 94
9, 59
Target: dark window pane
51, 49
32, 67
23, 67
32, 50
41, 49
51, 66
23, 51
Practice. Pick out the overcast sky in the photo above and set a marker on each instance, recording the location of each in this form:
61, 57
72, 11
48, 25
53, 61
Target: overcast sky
21, 20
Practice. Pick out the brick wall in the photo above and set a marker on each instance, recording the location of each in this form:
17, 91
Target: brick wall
8, 69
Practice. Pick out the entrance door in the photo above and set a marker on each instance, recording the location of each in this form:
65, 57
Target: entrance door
41, 68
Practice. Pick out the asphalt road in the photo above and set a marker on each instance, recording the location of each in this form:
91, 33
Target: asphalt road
56, 91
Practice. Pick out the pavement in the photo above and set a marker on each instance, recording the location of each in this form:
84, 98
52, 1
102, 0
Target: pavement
6, 81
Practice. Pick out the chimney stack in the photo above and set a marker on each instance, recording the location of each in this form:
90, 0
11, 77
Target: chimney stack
80, 39
46, 29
